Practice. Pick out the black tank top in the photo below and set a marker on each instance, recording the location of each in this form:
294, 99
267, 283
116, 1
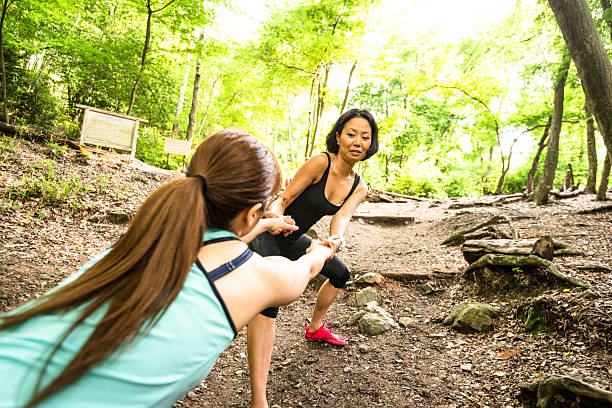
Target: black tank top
310, 206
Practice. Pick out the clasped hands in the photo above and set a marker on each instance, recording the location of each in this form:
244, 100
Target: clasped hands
279, 223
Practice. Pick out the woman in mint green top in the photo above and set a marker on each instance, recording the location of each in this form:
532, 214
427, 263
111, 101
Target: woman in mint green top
145, 321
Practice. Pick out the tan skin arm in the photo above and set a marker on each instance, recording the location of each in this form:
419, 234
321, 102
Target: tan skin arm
341, 219
273, 225
271, 281
309, 173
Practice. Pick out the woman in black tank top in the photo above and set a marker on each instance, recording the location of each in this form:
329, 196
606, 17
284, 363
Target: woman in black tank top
325, 185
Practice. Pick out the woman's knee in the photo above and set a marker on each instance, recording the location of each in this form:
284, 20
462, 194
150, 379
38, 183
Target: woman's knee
337, 273
270, 312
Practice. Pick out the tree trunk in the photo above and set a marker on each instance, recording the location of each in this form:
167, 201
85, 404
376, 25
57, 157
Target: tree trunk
319, 110
591, 59
605, 174
568, 182
591, 187
505, 167
536, 160
195, 97
552, 154
387, 158
5, 5
313, 86
181, 99
348, 87
194, 102
275, 136
143, 60
212, 88
289, 133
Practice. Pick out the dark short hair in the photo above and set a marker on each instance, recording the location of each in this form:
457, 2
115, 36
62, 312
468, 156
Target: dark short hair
332, 143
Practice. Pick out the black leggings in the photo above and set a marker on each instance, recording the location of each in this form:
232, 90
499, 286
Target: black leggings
267, 244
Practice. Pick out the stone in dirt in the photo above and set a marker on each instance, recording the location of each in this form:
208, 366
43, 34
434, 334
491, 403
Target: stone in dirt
364, 296
372, 320
373, 324
472, 317
370, 278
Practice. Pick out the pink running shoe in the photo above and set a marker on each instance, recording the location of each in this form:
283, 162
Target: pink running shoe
324, 334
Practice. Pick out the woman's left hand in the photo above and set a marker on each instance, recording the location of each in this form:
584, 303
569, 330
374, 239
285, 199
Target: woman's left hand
315, 242
277, 223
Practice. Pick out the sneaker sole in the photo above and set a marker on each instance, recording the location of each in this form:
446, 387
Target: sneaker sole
325, 341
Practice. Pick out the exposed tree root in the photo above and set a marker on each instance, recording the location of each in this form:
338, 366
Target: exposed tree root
545, 391
474, 249
505, 199
457, 237
594, 268
531, 260
596, 209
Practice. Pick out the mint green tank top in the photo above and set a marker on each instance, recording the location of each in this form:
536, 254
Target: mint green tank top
155, 370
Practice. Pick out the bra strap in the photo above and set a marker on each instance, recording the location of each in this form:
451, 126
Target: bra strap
227, 267
355, 184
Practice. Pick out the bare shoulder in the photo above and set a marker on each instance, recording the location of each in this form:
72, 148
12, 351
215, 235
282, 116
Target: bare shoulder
362, 188
311, 171
317, 162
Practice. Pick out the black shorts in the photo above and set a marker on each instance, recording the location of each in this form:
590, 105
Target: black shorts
267, 244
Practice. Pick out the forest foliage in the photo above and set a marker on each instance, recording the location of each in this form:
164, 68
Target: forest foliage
457, 117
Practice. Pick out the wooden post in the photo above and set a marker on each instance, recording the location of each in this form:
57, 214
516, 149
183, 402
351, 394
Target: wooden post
134, 137
84, 125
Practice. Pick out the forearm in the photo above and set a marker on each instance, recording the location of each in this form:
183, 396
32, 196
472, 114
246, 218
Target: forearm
278, 206
258, 229
339, 225
290, 284
314, 260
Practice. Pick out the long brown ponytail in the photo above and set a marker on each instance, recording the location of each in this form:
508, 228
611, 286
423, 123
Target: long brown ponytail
143, 274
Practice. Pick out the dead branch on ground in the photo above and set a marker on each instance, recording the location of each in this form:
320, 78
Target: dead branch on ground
504, 199
594, 268
567, 194
596, 209
390, 197
457, 237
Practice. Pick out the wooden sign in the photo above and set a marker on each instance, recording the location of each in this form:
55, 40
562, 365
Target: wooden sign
109, 129
177, 146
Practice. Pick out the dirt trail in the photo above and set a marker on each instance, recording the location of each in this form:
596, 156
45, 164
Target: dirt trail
414, 366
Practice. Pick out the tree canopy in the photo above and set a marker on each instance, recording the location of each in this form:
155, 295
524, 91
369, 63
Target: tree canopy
459, 115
